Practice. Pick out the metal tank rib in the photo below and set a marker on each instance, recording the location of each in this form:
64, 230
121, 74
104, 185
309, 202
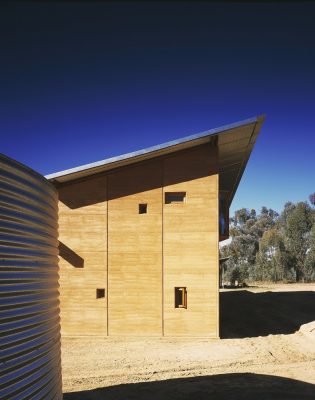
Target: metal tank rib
30, 366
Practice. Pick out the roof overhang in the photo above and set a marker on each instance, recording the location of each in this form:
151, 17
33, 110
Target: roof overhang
235, 143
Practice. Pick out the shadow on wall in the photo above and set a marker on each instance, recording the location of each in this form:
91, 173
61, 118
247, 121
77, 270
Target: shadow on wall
215, 387
186, 165
71, 256
247, 314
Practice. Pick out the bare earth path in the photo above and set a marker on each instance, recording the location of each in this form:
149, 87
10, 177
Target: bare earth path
276, 361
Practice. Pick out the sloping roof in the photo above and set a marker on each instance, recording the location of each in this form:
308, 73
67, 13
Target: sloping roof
235, 143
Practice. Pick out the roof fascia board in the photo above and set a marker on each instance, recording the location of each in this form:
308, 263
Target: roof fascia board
252, 141
150, 152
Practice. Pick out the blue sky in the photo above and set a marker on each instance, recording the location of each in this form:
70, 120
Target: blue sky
84, 81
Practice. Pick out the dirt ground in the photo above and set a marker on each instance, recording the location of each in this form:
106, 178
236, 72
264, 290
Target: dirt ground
267, 353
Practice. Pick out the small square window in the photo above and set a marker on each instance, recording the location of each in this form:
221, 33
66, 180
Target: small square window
100, 293
143, 208
175, 197
180, 297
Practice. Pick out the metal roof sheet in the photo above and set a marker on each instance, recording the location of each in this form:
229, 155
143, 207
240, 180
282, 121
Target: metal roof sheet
235, 142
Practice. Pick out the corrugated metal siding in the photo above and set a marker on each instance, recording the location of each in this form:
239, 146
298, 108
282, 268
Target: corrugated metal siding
30, 366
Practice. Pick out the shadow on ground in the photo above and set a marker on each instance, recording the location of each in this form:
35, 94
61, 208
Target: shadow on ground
215, 387
247, 314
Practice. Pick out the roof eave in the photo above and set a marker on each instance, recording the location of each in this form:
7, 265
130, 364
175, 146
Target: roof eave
235, 143
132, 157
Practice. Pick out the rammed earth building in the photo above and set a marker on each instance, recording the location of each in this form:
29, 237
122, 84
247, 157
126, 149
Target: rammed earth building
139, 235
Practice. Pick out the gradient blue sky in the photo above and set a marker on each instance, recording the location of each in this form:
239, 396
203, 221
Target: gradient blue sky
84, 81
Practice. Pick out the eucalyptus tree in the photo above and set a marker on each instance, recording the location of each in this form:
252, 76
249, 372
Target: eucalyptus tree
298, 221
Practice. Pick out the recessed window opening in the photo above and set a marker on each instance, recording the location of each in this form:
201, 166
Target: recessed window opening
143, 208
100, 293
175, 197
223, 214
180, 297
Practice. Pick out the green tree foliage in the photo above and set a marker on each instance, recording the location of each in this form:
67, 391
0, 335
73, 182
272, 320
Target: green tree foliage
271, 259
310, 258
297, 235
246, 231
272, 247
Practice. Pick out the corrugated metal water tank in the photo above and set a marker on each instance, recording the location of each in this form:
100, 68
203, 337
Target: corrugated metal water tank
30, 365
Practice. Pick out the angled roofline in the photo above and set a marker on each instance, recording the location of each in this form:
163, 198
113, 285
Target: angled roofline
235, 143
136, 154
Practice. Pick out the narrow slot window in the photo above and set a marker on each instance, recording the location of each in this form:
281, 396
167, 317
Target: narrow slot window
175, 197
100, 293
180, 297
223, 215
143, 208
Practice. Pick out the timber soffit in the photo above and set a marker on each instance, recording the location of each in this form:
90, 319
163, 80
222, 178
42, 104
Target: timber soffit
235, 143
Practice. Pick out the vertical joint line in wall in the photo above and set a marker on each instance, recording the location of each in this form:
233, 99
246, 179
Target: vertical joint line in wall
107, 266
162, 184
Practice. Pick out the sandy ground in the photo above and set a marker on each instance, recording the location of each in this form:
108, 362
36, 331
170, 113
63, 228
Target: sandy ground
264, 355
